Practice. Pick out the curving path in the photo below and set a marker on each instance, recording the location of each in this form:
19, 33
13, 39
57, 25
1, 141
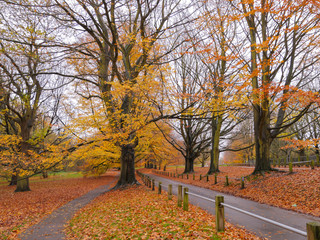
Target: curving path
52, 226
256, 226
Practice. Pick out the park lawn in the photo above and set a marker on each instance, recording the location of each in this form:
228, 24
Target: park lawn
20, 210
298, 191
52, 177
139, 213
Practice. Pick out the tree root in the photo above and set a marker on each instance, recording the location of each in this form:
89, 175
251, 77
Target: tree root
123, 186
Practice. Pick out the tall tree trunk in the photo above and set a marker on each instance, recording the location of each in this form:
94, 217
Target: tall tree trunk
45, 174
317, 154
215, 140
302, 154
189, 162
261, 112
22, 184
262, 140
127, 173
262, 107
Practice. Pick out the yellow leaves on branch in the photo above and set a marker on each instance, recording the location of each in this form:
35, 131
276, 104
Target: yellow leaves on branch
144, 94
9, 154
97, 157
9, 141
153, 146
14, 160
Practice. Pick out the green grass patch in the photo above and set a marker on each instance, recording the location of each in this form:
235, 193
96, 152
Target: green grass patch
51, 176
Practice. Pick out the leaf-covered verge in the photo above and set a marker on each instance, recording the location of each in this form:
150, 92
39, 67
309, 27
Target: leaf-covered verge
298, 191
139, 213
19, 211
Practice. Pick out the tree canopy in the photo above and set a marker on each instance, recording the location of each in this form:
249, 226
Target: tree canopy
110, 83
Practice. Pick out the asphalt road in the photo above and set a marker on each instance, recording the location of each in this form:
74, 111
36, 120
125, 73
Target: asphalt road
256, 226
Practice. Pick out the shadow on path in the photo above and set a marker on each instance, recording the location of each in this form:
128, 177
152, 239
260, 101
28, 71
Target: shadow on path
52, 227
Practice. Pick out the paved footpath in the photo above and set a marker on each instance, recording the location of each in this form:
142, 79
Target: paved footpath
256, 226
52, 226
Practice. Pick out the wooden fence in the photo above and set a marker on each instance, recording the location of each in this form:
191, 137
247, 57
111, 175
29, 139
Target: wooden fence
313, 228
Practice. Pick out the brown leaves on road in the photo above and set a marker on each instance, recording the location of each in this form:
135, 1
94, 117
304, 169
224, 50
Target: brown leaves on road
20, 210
139, 213
299, 191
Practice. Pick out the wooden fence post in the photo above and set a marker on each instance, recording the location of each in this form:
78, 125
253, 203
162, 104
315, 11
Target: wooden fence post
159, 188
219, 214
215, 178
227, 181
170, 191
152, 184
185, 199
290, 167
313, 230
200, 178
207, 178
179, 195
194, 177
242, 182
312, 164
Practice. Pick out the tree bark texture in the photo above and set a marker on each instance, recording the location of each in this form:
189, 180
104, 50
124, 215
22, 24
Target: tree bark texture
26, 126
189, 162
22, 184
13, 180
127, 172
262, 140
215, 140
